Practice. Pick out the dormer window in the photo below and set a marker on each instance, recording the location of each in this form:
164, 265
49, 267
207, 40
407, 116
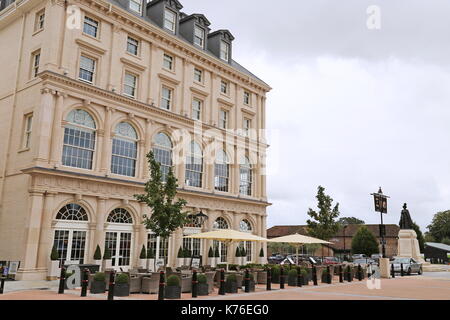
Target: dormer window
199, 37
224, 51
135, 5
170, 20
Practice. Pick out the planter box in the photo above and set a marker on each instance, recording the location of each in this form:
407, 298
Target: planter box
231, 287
151, 265
121, 290
292, 281
252, 286
98, 287
143, 263
54, 271
262, 277
172, 292
180, 262
99, 264
203, 289
187, 261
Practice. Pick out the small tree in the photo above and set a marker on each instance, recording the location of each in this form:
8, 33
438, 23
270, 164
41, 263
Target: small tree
210, 253
364, 242
187, 253
243, 252
261, 253
98, 253
440, 226
350, 220
150, 253
216, 252
446, 241
54, 255
238, 252
180, 253
420, 237
107, 254
143, 254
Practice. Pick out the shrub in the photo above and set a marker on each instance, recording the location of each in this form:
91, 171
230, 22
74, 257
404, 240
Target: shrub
143, 254
54, 256
364, 242
150, 253
173, 281
276, 274
180, 253
99, 276
98, 253
292, 273
221, 266
201, 278
233, 267
261, 253
304, 271
238, 253
107, 254
243, 252
216, 252
210, 253
122, 278
231, 278
187, 253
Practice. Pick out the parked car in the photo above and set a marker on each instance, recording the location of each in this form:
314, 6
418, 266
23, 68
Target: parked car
276, 259
376, 256
409, 265
365, 262
331, 260
358, 256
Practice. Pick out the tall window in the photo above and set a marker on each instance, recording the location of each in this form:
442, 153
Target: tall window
198, 75
27, 132
36, 62
40, 20
159, 246
199, 37
170, 20
168, 62
223, 120
162, 149
79, 140
130, 85
247, 127
224, 87
194, 166
87, 69
196, 109
221, 172
135, 5
220, 224
133, 46
90, 27
124, 150
246, 177
224, 51
245, 226
166, 98
246, 97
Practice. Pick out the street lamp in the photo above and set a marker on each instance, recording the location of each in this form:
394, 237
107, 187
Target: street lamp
201, 218
380, 201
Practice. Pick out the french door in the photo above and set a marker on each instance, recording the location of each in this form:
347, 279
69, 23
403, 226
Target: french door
120, 246
71, 245
223, 250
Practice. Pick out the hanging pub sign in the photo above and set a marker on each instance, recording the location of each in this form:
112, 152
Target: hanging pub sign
380, 202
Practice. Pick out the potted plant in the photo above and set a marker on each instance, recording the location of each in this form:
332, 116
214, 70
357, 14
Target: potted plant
217, 255
98, 256
173, 288
202, 285
324, 276
53, 269
243, 256
238, 256
122, 287
107, 259
211, 257
231, 285
187, 257
276, 274
305, 274
98, 284
143, 258
180, 257
292, 277
150, 260
261, 255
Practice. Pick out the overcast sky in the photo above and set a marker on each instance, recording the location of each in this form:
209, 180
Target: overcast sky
351, 109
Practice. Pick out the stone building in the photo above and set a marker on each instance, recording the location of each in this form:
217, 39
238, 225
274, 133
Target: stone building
87, 88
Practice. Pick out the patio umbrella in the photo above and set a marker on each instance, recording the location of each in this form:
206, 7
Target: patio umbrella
228, 236
297, 240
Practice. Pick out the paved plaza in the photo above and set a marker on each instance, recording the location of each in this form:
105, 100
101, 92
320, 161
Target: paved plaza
429, 286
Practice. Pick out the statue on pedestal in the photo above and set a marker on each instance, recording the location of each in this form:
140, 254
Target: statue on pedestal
405, 219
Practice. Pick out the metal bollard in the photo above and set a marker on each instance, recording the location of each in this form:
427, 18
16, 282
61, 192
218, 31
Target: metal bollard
392, 271
401, 270
247, 281
2, 284
194, 284
112, 277
349, 274
222, 283
62, 279
269, 279
281, 278
359, 272
84, 283
299, 277
162, 284
314, 275
341, 278
329, 275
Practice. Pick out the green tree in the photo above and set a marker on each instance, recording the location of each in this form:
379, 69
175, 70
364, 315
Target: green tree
440, 226
98, 253
364, 242
420, 237
143, 254
350, 220
159, 196
429, 238
54, 255
323, 224
446, 241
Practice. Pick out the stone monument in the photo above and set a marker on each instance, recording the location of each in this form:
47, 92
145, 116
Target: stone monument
408, 245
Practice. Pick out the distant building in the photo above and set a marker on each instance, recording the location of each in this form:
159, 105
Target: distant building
342, 240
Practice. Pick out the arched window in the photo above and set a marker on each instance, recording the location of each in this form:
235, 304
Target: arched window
245, 226
194, 166
120, 215
124, 150
221, 172
246, 175
162, 149
220, 223
79, 140
72, 212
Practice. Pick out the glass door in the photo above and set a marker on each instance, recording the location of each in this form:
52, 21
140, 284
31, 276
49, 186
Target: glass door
71, 245
119, 244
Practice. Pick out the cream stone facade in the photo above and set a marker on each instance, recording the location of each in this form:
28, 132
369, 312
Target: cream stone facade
57, 180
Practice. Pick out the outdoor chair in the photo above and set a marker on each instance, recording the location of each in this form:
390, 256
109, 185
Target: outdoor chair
239, 278
150, 285
135, 284
186, 284
261, 277
142, 270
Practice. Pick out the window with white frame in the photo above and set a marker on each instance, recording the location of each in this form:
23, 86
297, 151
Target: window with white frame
168, 62
224, 51
223, 119
247, 127
166, 98
124, 150
130, 84
224, 87
170, 20
194, 166
162, 149
36, 59
196, 109
136, 6
87, 69
90, 27
27, 131
159, 246
199, 37
246, 177
198, 75
79, 140
246, 98
221, 224
133, 46
40, 20
221, 172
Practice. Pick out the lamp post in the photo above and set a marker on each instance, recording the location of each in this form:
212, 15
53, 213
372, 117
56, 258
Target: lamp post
380, 201
201, 219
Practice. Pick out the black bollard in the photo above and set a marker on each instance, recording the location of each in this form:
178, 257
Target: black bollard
194, 284
392, 271
62, 279
162, 284
84, 282
299, 277
341, 278
247, 281
349, 274
329, 275
314, 274
112, 277
2, 284
269, 279
222, 283
359, 272
401, 270
281, 278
